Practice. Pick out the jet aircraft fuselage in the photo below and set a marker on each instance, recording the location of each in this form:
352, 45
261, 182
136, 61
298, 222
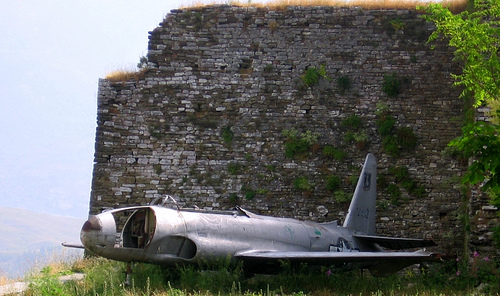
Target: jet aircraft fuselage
173, 236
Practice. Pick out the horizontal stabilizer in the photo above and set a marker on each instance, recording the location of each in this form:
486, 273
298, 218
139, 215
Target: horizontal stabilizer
395, 243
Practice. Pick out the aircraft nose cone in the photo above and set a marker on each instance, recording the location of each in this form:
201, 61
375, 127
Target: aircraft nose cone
90, 231
99, 232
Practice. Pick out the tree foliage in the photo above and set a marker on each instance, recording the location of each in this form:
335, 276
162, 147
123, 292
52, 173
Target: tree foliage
480, 141
475, 35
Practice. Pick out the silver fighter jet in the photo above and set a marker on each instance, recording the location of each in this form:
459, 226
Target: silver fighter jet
174, 236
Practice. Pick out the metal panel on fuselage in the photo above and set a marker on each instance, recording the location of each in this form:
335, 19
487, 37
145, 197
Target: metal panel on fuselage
219, 235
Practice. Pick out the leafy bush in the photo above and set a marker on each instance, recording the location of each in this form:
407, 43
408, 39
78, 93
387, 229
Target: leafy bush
397, 24
301, 183
401, 173
391, 85
402, 178
269, 68
312, 76
343, 84
341, 196
333, 183
386, 125
352, 122
390, 144
393, 139
406, 138
234, 168
143, 62
227, 135
233, 198
394, 193
248, 192
334, 153
299, 146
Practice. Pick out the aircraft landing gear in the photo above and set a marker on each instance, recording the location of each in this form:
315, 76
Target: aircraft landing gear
128, 272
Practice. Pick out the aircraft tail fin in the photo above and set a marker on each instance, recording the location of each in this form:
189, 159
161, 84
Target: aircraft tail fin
361, 214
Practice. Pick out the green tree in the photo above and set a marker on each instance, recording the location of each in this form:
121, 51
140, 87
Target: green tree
475, 35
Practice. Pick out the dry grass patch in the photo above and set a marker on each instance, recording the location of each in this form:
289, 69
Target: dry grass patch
123, 75
4, 280
454, 5
200, 4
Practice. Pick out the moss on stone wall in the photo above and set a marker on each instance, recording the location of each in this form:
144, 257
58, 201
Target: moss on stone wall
206, 122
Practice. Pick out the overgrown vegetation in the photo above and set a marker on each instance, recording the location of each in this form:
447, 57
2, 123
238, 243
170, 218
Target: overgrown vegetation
391, 85
248, 192
312, 76
299, 145
105, 277
234, 168
474, 34
343, 84
227, 135
394, 139
334, 153
302, 184
355, 134
397, 179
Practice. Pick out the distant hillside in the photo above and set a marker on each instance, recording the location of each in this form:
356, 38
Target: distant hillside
29, 238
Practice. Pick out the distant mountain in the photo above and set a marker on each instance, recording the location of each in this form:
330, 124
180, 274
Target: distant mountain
28, 239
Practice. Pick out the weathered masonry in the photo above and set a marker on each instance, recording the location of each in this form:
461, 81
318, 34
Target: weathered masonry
276, 110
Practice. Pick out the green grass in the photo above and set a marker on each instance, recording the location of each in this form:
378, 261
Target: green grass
105, 277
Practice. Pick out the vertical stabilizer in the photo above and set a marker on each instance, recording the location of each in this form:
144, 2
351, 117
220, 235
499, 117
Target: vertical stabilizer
361, 215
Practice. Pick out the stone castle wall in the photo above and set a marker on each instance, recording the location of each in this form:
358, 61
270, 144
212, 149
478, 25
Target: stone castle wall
210, 121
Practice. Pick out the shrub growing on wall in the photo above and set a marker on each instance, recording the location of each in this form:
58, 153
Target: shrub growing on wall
312, 76
391, 85
394, 139
299, 145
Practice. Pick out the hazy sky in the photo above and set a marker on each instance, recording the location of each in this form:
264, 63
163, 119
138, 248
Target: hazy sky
52, 53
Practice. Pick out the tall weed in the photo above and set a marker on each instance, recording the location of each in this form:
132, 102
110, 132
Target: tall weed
477, 275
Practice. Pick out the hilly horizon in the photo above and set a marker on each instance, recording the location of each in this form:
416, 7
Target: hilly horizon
29, 239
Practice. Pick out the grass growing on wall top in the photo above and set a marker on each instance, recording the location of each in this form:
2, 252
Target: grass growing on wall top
455, 5
123, 75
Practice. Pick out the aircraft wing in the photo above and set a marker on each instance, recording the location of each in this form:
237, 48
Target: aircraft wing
326, 258
379, 263
395, 243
